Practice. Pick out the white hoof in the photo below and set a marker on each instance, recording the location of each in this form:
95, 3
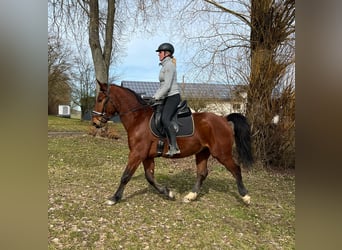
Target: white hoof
246, 199
110, 202
171, 195
190, 197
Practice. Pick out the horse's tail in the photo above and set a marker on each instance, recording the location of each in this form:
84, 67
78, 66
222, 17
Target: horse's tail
242, 134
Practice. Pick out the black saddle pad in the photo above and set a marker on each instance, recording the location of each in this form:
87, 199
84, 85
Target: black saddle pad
186, 127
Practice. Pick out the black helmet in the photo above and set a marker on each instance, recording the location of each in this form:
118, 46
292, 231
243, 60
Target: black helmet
166, 47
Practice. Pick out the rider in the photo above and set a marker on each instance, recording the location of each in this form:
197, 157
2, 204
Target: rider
168, 93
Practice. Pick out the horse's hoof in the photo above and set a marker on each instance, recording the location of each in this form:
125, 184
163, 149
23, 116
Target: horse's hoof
246, 199
172, 195
190, 197
186, 200
110, 202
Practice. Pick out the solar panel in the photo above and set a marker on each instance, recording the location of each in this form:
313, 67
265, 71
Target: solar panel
188, 90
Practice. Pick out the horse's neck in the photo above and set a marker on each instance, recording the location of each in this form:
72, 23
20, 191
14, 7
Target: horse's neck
128, 107
132, 119
125, 100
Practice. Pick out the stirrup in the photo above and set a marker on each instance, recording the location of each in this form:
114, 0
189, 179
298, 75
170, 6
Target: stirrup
172, 151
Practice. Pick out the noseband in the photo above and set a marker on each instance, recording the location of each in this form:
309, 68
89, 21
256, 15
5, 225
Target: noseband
103, 116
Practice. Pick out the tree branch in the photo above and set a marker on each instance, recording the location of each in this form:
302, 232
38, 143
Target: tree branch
238, 15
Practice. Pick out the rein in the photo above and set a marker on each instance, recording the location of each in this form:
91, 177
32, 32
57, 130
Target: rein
135, 109
105, 118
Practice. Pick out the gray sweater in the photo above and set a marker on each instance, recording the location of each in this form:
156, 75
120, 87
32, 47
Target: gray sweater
168, 80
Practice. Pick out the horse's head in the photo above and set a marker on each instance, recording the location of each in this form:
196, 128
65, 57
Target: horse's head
104, 106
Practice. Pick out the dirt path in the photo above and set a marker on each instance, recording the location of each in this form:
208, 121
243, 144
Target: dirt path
65, 133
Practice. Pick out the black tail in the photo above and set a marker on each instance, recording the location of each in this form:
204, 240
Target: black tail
242, 133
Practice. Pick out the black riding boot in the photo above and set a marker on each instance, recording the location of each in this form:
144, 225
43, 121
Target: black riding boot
171, 136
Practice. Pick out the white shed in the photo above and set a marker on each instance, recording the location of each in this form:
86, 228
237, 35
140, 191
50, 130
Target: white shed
64, 111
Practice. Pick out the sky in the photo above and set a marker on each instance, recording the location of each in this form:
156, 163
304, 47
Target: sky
141, 62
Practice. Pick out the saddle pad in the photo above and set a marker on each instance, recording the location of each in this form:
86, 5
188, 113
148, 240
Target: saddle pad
186, 127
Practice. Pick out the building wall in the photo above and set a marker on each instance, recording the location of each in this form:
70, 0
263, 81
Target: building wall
225, 108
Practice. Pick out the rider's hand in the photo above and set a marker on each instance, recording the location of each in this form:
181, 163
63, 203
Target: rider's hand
152, 101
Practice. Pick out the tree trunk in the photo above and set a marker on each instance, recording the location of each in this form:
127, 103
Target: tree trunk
101, 57
264, 72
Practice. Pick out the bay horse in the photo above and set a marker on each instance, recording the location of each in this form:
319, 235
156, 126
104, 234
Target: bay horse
213, 135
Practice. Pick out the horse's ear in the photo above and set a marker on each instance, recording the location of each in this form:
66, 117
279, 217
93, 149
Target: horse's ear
103, 86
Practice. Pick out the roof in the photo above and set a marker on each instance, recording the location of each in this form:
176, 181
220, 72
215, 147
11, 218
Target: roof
188, 90
145, 89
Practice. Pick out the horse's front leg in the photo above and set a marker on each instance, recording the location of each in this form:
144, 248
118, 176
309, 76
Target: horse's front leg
202, 173
149, 174
132, 165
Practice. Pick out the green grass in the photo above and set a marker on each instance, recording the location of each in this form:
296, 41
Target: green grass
84, 171
60, 124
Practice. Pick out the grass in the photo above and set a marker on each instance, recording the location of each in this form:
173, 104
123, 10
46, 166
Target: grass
59, 124
84, 171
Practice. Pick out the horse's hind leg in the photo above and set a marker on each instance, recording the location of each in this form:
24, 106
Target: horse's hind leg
235, 169
202, 172
149, 174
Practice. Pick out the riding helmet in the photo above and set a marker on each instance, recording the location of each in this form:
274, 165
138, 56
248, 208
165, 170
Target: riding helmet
166, 47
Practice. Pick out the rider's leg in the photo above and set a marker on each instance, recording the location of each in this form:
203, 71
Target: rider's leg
169, 111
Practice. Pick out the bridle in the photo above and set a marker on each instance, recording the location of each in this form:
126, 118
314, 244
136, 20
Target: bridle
104, 117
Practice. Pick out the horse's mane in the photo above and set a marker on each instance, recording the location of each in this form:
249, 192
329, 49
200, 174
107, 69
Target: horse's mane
138, 97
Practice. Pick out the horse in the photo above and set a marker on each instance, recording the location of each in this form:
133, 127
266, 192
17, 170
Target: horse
213, 135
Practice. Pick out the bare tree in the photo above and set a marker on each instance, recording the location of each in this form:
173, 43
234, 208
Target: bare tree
272, 53
101, 54
108, 25
58, 76
70, 17
84, 91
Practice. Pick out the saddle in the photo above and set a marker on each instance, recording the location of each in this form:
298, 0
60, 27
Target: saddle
182, 121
